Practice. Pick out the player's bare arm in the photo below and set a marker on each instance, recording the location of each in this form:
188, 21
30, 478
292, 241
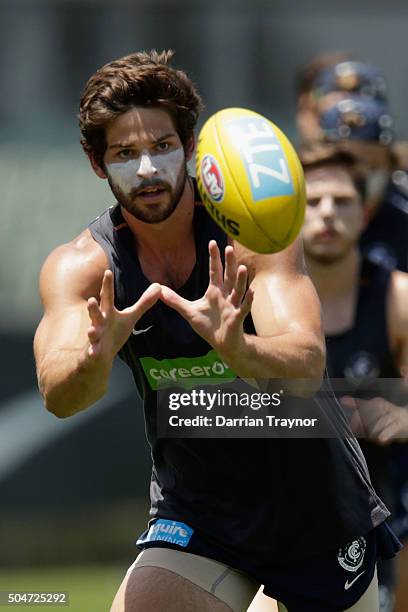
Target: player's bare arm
286, 314
81, 330
398, 319
284, 307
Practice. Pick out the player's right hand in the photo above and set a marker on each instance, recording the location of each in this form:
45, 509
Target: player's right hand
110, 327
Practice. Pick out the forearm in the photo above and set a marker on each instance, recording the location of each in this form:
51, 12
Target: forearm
70, 381
288, 356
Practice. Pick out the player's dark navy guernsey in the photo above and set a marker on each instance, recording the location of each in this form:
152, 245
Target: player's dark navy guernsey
385, 239
248, 500
363, 351
362, 355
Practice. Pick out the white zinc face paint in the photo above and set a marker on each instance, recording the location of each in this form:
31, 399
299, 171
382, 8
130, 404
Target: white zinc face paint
130, 174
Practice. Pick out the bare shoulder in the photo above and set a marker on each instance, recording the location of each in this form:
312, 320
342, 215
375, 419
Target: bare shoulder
288, 262
398, 297
397, 311
74, 269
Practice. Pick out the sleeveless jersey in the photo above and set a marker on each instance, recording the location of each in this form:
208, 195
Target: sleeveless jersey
363, 353
244, 497
384, 240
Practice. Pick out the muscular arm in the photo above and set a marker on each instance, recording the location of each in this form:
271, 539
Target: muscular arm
68, 379
80, 335
286, 315
285, 310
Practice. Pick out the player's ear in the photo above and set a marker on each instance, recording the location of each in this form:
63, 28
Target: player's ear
189, 147
96, 167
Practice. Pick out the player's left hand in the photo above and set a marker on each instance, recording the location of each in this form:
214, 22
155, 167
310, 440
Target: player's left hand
377, 419
219, 315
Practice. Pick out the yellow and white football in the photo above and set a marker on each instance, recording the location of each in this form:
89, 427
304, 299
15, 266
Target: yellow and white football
250, 179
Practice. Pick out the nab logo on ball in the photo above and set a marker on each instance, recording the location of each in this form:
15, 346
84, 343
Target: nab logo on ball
212, 178
264, 159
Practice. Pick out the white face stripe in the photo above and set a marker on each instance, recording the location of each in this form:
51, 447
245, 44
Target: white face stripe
130, 174
146, 166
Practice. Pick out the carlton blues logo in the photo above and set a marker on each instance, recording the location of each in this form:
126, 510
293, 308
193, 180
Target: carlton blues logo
212, 178
351, 556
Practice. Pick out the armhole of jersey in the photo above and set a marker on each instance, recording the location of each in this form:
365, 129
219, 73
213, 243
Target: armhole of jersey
109, 250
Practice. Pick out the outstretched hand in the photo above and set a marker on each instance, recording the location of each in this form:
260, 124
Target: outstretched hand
110, 328
219, 315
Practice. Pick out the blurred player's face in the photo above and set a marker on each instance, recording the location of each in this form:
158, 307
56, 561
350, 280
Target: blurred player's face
334, 214
145, 163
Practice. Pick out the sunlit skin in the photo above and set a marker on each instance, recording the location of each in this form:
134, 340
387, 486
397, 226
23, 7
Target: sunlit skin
82, 330
289, 340
334, 214
146, 136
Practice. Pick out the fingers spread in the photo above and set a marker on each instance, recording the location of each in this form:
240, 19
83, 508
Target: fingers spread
149, 298
239, 290
146, 301
174, 300
94, 334
94, 312
216, 272
247, 302
107, 292
94, 349
230, 273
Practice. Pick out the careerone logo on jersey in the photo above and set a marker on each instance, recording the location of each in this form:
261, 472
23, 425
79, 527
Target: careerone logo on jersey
164, 530
264, 159
186, 371
212, 178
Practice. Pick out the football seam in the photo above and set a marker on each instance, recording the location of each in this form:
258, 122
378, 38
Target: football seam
300, 211
272, 242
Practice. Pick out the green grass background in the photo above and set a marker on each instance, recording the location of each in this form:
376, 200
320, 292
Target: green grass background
91, 588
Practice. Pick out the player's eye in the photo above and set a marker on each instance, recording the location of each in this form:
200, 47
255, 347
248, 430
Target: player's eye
343, 201
312, 202
125, 154
162, 146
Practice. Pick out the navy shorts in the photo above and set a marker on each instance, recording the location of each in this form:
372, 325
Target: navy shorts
335, 581
332, 582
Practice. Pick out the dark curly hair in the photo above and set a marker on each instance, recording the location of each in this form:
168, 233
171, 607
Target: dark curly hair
320, 154
138, 79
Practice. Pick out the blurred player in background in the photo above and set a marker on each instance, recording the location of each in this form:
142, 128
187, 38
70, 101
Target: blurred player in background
155, 280
365, 318
344, 100
365, 315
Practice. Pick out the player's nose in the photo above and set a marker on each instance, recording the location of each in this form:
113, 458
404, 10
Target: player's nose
327, 206
146, 167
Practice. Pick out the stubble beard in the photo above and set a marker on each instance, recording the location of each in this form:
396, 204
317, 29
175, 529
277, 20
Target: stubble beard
152, 213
